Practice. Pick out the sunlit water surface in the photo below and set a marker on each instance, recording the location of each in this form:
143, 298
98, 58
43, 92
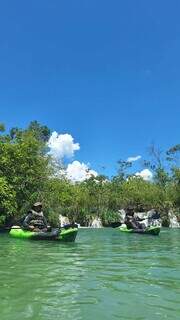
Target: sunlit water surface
104, 275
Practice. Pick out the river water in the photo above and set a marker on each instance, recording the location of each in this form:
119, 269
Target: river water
104, 275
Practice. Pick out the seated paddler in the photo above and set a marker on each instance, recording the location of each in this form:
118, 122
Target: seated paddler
132, 222
35, 219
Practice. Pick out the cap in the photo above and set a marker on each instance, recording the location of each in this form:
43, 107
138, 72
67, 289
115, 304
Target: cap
37, 204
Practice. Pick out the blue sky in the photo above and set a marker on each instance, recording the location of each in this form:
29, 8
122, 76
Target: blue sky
106, 72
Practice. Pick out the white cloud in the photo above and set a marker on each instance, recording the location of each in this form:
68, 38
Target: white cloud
132, 159
146, 174
78, 172
62, 146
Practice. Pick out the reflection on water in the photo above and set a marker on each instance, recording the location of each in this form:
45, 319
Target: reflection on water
104, 275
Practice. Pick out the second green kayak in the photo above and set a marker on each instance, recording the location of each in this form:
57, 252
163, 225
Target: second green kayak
150, 230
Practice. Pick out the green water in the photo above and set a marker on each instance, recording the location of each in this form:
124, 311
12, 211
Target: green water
104, 275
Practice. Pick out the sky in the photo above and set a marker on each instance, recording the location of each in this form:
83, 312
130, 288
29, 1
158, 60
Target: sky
105, 72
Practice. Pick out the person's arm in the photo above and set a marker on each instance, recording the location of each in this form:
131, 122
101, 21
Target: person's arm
45, 221
134, 224
26, 221
140, 219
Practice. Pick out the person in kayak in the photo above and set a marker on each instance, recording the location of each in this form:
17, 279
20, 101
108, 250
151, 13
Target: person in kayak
131, 222
35, 219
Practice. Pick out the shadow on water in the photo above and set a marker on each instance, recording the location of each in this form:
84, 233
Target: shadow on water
104, 275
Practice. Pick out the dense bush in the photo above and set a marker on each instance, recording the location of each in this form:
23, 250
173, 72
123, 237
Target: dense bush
27, 174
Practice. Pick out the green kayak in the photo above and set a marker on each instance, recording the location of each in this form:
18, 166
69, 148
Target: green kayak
62, 234
150, 230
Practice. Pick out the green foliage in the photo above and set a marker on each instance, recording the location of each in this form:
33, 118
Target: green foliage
141, 194
174, 187
161, 177
42, 133
2, 127
24, 167
108, 217
123, 166
27, 175
7, 201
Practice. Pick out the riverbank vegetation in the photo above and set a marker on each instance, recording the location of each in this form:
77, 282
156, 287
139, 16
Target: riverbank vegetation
28, 173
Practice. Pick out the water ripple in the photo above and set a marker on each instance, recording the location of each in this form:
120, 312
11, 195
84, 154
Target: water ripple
104, 275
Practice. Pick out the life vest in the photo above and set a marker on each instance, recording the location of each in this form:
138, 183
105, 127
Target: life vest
37, 219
